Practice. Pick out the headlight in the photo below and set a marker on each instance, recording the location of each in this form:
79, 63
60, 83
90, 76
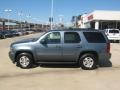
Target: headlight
11, 48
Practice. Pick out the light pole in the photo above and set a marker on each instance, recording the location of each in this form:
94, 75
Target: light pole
8, 13
51, 19
34, 23
29, 16
20, 14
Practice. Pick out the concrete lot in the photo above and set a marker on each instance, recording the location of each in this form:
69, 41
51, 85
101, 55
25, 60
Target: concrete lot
57, 78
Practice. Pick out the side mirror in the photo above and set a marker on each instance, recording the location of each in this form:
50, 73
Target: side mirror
43, 41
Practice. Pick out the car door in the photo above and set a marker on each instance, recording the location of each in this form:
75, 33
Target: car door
50, 50
71, 46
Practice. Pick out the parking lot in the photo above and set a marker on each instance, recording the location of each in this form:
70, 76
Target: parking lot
57, 77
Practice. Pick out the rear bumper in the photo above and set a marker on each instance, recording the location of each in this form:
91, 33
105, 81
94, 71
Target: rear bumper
114, 38
105, 56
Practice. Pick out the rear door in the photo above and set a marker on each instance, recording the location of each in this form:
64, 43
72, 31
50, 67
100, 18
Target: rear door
71, 46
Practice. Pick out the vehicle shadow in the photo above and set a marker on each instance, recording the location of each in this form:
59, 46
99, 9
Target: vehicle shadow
102, 63
105, 63
59, 66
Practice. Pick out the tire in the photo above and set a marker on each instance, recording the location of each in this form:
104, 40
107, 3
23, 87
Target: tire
24, 60
88, 61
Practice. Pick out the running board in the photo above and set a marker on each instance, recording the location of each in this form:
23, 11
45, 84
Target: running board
56, 62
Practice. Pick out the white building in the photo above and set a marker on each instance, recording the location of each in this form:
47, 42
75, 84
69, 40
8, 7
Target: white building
100, 19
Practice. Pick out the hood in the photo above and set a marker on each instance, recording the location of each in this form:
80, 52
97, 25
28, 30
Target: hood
25, 41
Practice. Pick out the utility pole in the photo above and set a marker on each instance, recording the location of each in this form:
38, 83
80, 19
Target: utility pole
51, 18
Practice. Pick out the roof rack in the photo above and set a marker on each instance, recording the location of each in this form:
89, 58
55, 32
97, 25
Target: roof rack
81, 28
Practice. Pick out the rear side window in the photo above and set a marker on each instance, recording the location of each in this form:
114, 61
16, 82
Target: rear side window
94, 37
71, 37
113, 31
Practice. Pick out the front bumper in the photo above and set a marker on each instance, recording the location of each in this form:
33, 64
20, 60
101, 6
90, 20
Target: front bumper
12, 56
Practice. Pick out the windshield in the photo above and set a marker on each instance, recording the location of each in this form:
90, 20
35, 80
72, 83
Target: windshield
114, 31
36, 38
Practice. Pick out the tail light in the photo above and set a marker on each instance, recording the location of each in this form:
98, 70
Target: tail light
108, 47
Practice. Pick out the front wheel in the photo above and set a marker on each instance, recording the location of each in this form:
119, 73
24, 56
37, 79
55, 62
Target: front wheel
24, 60
88, 61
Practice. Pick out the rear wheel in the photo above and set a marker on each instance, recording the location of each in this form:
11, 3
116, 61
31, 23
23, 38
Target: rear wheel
24, 60
88, 61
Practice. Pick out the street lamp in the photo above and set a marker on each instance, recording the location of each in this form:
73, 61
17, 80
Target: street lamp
8, 13
51, 19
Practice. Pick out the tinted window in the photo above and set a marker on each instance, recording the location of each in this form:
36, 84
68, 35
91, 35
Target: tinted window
53, 38
71, 37
113, 31
94, 37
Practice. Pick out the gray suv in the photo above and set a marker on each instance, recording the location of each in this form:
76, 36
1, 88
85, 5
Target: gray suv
83, 47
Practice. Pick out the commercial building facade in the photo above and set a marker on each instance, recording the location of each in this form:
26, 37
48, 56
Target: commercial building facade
100, 19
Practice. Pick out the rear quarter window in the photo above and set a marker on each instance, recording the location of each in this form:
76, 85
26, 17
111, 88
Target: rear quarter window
113, 31
94, 37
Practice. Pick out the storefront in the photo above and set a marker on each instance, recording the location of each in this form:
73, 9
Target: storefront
100, 19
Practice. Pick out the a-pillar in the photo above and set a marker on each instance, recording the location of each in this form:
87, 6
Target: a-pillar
3, 25
97, 25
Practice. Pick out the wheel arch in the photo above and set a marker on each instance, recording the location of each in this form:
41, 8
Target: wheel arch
23, 51
89, 52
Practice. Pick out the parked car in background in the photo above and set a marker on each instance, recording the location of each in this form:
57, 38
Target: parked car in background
20, 32
6, 33
14, 32
113, 34
2, 36
83, 47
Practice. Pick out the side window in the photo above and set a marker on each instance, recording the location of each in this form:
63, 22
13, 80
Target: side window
53, 38
94, 37
71, 37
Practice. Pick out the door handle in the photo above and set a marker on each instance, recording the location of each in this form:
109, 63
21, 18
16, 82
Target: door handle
79, 46
58, 46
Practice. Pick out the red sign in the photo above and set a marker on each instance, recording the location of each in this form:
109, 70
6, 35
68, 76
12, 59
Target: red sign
90, 17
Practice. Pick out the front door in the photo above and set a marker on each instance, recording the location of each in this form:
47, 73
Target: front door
51, 51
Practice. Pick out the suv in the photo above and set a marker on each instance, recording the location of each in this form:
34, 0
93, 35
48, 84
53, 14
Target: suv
83, 47
113, 34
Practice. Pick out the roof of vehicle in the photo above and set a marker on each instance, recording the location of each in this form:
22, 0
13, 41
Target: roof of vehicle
77, 29
111, 29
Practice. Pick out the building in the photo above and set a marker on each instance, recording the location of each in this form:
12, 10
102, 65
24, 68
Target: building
100, 19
